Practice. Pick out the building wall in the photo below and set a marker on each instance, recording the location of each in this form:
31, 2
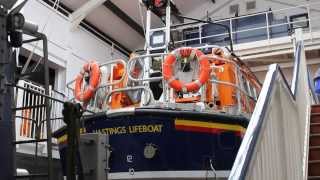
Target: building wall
288, 72
220, 9
68, 50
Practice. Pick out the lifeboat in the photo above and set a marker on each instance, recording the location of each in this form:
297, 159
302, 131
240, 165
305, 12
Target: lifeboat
194, 126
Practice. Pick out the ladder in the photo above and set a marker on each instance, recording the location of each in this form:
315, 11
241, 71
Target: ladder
314, 144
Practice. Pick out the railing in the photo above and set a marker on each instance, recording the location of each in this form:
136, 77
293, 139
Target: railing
30, 111
147, 99
250, 28
56, 108
107, 69
246, 92
106, 85
275, 145
311, 85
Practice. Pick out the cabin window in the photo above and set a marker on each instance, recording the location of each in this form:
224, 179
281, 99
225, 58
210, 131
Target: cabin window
191, 34
38, 75
234, 9
251, 5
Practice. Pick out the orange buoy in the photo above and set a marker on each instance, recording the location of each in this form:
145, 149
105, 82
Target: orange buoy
186, 52
85, 94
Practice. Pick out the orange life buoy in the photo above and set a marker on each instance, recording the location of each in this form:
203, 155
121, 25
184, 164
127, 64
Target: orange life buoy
186, 52
85, 94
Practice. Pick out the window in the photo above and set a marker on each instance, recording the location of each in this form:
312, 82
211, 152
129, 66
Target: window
234, 9
251, 5
38, 75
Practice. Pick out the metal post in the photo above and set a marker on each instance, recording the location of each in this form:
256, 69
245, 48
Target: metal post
238, 81
168, 24
310, 24
268, 30
46, 100
148, 27
231, 33
47, 103
228, 29
7, 129
200, 33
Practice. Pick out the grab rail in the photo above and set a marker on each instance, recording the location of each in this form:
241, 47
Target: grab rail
312, 88
122, 77
308, 9
112, 83
239, 82
30, 110
144, 58
144, 88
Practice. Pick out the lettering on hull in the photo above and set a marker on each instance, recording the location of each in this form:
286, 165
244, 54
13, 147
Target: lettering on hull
135, 129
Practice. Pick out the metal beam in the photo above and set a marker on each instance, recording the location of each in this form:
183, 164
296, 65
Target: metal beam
124, 17
7, 126
77, 16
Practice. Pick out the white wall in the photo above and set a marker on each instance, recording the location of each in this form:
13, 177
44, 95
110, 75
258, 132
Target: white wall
220, 9
68, 50
288, 71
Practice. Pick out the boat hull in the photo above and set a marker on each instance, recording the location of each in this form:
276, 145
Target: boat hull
154, 140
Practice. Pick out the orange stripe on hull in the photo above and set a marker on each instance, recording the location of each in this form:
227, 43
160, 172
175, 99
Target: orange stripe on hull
204, 130
207, 127
198, 129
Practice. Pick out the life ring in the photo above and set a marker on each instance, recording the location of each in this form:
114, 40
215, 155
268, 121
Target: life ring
84, 95
186, 52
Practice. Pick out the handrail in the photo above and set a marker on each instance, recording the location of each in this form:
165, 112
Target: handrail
122, 77
144, 88
238, 74
248, 151
245, 30
143, 58
106, 64
296, 72
306, 6
308, 9
106, 84
312, 88
237, 84
29, 108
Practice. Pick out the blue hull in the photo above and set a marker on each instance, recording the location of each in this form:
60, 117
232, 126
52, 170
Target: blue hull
161, 140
